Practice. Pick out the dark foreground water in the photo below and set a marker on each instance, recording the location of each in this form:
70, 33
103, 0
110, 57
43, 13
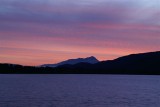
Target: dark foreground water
79, 91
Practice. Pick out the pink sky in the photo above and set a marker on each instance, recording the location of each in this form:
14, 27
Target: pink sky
48, 31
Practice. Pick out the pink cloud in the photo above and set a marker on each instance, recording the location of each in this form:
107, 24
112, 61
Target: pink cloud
40, 33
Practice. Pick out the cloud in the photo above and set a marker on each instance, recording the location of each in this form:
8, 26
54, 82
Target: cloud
67, 12
104, 28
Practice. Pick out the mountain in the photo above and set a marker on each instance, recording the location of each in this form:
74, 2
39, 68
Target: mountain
139, 64
136, 63
142, 63
91, 60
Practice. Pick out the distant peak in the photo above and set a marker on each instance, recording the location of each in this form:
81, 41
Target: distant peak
91, 60
91, 57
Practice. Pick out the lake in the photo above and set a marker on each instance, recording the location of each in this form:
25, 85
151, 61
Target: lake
81, 90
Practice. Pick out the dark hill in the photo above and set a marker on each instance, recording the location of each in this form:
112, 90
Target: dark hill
143, 63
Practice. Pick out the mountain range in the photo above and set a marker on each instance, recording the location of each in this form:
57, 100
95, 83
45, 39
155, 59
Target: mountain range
91, 60
141, 63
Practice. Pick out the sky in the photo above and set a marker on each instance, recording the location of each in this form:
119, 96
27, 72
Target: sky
35, 32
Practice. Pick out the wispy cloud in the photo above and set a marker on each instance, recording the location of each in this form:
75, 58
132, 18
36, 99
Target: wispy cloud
104, 28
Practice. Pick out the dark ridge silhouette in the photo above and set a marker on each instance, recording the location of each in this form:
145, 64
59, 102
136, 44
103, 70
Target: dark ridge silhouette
142, 64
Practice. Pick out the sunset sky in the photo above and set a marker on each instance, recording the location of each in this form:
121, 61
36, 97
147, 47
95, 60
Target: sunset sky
35, 32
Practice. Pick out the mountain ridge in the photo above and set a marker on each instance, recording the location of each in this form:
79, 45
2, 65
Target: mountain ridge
133, 63
91, 60
139, 64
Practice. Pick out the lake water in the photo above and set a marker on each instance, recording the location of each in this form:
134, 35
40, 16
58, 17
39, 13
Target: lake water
79, 90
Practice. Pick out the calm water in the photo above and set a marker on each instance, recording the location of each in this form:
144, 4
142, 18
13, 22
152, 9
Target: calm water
79, 91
